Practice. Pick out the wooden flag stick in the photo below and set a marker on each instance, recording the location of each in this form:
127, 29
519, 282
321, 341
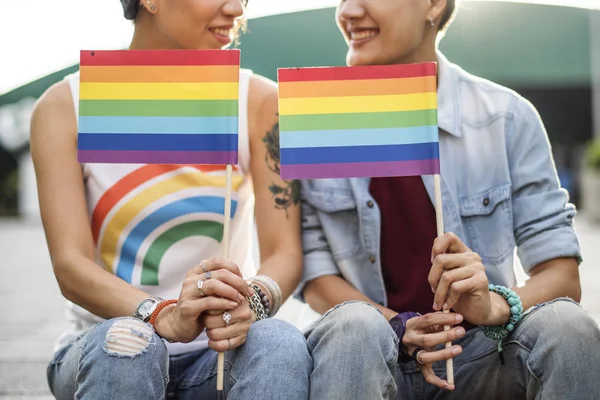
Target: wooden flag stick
439, 217
226, 224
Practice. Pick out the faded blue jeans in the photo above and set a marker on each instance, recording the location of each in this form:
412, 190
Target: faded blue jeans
273, 364
554, 354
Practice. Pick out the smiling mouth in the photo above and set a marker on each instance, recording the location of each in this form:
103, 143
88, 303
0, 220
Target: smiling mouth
221, 31
363, 34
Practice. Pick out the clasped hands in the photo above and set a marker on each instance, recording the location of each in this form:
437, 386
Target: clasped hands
458, 280
212, 297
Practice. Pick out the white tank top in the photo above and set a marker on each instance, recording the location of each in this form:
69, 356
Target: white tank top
153, 223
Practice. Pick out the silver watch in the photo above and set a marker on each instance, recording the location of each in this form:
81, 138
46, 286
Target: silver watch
145, 309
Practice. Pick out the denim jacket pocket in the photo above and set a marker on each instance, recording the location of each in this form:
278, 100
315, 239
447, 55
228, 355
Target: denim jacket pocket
487, 217
330, 200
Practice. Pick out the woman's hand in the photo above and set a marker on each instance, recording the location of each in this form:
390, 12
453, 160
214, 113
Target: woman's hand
227, 332
426, 332
459, 282
223, 288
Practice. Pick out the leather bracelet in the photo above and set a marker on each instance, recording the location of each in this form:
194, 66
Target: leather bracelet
158, 309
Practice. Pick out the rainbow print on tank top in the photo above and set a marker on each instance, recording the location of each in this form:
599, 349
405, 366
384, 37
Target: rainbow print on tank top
148, 211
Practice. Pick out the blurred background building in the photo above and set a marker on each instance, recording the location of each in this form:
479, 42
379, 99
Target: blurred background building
550, 54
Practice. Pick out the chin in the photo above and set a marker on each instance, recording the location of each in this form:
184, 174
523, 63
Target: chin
204, 45
213, 46
356, 59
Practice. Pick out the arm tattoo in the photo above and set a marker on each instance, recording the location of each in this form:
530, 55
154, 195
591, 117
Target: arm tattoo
287, 194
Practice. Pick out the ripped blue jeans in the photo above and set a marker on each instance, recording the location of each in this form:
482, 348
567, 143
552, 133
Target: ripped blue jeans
123, 358
553, 354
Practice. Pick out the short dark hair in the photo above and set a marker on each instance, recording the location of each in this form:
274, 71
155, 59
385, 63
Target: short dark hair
130, 9
448, 16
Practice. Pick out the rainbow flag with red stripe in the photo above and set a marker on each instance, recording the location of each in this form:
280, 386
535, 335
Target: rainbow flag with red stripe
366, 121
159, 106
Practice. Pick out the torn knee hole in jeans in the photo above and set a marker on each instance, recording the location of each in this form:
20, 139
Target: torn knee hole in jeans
127, 338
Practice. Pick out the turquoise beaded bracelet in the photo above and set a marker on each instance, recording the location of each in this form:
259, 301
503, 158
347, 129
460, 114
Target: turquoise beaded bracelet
516, 313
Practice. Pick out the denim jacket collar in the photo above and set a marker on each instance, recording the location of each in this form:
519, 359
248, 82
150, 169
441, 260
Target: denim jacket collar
449, 120
447, 95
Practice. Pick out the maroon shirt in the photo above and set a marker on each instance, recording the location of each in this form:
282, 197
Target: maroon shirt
408, 229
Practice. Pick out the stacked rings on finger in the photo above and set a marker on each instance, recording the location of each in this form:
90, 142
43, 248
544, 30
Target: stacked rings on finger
207, 276
226, 318
203, 265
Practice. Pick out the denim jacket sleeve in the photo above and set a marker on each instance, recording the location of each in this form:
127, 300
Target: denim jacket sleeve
318, 260
542, 213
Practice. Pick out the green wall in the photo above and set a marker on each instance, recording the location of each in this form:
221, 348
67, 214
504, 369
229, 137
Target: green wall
506, 42
522, 44
517, 45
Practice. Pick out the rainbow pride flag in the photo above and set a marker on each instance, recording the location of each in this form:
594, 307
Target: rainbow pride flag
367, 121
159, 106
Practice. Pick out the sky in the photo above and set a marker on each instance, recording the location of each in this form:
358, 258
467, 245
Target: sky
49, 36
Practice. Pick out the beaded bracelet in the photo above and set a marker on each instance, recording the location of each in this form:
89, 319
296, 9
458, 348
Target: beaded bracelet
274, 291
516, 313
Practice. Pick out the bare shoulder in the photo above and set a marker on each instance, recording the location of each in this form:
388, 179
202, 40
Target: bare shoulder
53, 113
262, 95
56, 98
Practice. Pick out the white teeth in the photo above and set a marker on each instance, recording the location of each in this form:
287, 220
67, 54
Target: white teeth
364, 34
221, 31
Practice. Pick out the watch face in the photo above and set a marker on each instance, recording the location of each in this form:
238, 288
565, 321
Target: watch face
146, 307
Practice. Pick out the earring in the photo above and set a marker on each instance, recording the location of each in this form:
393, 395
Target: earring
431, 21
153, 7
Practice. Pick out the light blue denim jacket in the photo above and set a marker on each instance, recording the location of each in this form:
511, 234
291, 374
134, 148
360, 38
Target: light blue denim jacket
500, 190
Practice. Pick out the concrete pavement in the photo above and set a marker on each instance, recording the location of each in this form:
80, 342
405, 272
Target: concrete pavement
32, 311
